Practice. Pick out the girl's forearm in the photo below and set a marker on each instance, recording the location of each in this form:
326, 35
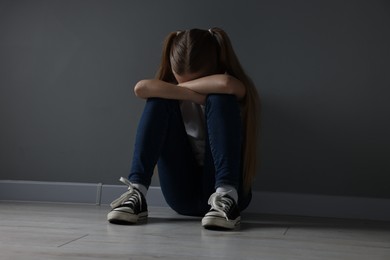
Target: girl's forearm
156, 88
219, 83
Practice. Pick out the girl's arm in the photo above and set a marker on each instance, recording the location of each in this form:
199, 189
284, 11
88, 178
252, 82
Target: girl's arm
157, 88
218, 83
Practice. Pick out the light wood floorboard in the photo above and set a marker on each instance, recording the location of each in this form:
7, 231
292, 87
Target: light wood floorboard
73, 231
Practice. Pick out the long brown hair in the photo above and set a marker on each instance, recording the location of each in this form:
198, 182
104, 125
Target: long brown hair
210, 51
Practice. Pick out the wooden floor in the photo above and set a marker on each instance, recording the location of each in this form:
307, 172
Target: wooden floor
62, 231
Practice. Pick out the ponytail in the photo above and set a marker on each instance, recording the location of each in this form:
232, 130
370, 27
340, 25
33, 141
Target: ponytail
164, 72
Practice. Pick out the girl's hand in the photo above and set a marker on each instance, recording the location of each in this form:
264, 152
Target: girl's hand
199, 98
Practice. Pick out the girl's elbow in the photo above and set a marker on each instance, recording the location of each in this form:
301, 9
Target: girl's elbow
239, 92
234, 86
228, 81
140, 89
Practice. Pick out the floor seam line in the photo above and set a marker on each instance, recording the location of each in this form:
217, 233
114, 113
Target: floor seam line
73, 240
285, 232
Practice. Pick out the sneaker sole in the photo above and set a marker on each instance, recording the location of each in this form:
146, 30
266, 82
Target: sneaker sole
217, 223
125, 218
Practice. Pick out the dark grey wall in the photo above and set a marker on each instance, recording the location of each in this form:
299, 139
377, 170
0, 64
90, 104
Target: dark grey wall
67, 68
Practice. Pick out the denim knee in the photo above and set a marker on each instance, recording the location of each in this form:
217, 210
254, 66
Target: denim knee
161, 102
221, 99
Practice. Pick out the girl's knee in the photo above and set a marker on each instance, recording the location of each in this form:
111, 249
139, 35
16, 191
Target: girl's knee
221, 100
222, 104
156, 100
161, 103
221, 97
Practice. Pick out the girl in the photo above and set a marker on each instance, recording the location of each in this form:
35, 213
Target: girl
199, 126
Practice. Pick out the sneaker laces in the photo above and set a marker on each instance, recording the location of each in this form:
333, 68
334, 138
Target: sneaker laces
220, 203
131, 196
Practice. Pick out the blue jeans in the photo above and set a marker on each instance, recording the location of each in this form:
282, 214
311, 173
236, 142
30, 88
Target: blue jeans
162, 139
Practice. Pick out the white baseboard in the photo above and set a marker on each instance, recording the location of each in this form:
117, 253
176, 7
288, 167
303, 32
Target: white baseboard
262, 203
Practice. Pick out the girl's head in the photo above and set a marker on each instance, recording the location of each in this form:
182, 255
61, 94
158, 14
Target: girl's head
195, 52
198, 53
